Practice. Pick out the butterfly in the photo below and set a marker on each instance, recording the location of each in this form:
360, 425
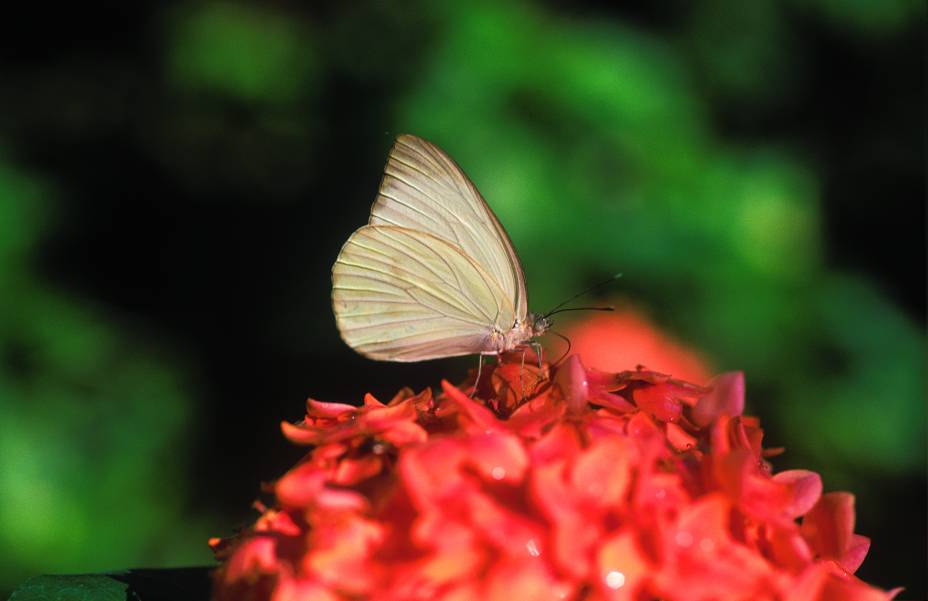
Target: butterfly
433, 274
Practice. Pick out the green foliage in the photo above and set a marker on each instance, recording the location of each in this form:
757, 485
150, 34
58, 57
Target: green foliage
241, 51
92, 425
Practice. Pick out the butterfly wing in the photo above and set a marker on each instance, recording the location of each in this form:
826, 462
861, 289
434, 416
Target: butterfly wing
424, 189
401, 294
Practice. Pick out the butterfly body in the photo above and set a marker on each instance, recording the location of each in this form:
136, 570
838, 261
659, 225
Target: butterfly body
434, 273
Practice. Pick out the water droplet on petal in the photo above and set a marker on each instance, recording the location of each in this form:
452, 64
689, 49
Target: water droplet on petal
615, 580
532, 547
498, 473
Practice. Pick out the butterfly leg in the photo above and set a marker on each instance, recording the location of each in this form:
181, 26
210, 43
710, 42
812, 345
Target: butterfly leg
521, 370
479, 371
536, 346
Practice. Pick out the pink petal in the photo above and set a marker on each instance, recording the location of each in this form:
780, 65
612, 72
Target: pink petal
613, 401
336, 499
805, 487
330, 410
856, 553
725, 398
571, 378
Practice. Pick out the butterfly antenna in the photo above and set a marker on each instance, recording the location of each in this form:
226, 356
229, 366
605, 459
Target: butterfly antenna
565, 339
606, 308
587, 291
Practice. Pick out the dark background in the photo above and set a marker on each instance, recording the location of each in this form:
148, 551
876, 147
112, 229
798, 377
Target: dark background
176, 180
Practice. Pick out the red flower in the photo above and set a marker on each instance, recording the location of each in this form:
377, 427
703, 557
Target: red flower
550, 483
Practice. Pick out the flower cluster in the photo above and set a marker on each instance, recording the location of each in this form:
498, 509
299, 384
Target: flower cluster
543, 482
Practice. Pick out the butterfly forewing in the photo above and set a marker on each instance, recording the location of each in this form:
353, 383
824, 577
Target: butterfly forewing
401, 294
424, 189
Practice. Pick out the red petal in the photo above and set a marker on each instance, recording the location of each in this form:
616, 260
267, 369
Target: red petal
404, 433
642, 426
255, 556
476, 417
550, 492
679, 439
299, 486
562, 442
499, 457
622, 569
352, 471
573, 539
821, 582
430, 473
533, 418
789, 549
299, 434
660, 401
513, 579
600, 476
505, 529
339, 550
293, 589
371, 402
381, 417
829, 526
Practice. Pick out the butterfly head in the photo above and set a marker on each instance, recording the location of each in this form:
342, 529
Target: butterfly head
539, 324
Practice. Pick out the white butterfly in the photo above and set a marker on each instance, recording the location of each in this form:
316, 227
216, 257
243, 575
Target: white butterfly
434, 273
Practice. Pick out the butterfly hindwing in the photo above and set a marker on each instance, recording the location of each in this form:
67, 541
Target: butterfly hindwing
401, 294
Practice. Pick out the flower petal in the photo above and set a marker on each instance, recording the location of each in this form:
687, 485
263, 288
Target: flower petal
726, 397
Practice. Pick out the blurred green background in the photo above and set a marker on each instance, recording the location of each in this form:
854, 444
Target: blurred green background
176, 180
